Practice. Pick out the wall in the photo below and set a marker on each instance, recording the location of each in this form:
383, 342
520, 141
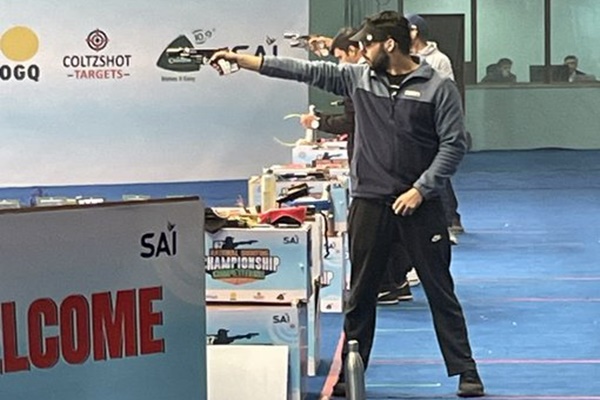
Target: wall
524, 115
515, 118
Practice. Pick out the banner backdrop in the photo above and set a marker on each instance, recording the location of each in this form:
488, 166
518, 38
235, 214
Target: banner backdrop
88, 95
103, 302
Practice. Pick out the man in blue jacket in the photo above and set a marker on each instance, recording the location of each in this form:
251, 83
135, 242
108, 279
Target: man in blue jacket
409, 139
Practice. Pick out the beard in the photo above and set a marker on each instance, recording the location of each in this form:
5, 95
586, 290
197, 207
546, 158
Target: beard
381, 62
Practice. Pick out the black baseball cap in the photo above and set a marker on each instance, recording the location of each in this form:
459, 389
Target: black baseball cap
382, 26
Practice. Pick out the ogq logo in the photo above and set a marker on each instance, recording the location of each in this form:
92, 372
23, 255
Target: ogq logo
19, 44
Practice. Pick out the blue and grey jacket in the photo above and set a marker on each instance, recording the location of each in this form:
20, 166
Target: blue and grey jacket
413, 136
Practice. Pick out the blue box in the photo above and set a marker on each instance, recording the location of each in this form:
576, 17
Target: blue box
340, 200
334, 275
314, 303
264, 264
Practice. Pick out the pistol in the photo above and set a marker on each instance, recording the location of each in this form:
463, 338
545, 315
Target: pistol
304, 42
202, 57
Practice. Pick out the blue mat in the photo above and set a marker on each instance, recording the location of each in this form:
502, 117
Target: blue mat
526, 271
528, 276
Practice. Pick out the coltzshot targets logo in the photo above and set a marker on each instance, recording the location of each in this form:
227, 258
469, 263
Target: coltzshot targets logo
95, 66
19, 45
228, 262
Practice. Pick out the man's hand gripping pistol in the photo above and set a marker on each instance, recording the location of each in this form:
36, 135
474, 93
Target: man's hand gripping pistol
202, 56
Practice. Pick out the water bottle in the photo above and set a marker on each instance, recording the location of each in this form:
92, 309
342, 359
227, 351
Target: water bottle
309, 133
268, 195
355, 373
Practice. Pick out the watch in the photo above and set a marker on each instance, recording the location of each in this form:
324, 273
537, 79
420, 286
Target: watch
315, 124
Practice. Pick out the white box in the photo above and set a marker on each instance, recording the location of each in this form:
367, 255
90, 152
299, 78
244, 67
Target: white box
318, 189
308, 155
260, 324
260, 372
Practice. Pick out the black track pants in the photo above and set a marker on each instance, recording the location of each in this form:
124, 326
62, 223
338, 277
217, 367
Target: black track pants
373, 229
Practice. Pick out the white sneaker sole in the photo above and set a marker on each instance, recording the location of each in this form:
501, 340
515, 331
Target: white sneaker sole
413, 278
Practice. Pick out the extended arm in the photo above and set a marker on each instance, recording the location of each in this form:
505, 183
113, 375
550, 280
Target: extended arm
339, 123
324, 75
333, 124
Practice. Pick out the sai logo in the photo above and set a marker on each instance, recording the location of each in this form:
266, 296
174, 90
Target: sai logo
281, 318
19, 44
163, 243
291, 239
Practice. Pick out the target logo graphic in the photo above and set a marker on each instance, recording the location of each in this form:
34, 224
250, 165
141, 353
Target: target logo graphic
97, 40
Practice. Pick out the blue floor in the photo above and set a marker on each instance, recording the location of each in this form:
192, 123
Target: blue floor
527, 272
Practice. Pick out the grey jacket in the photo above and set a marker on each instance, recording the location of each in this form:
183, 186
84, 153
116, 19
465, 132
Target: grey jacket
413, 136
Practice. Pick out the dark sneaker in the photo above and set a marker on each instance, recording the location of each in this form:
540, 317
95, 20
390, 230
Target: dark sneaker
404, 293
339, 389
393, 296
387, 298
470, 384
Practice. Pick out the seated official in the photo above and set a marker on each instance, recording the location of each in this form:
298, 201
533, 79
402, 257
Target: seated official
574, 74
500, 72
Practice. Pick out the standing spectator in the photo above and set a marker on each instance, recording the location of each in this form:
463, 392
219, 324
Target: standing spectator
422, 46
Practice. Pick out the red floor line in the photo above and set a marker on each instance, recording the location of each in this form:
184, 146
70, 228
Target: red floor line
527, 279
542, 397
578, 278
334, 370
400, 361
553, 299
539, 361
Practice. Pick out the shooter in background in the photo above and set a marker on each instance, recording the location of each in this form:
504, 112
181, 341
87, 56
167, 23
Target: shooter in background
395, 287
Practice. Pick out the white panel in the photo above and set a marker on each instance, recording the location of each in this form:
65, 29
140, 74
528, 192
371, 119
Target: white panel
249, 372
68, 121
